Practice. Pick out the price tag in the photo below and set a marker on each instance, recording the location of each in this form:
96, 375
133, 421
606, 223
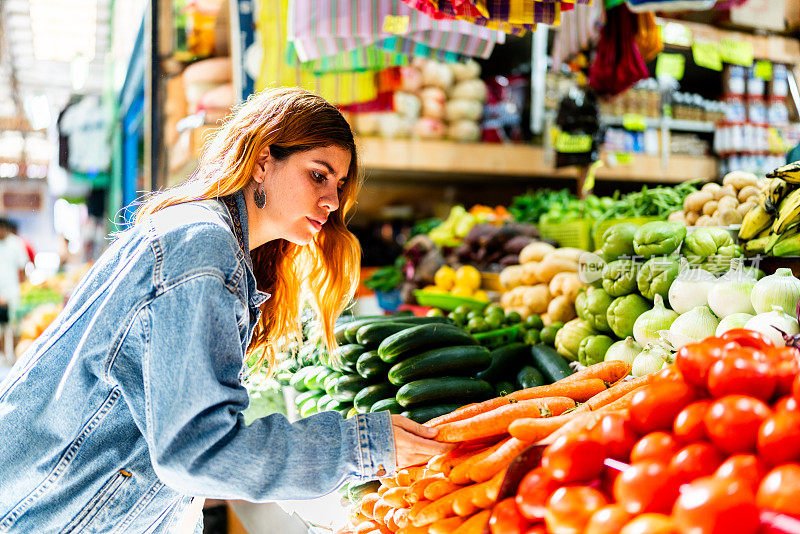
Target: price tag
676, 34
670, 65
396, 24
634, 122
623, 158
736, 52
763, 69
706, 54
573, 144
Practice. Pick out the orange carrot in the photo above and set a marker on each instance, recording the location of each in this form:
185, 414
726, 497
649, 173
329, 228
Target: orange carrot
368, 504
366, 526
383, 488
618, 390
445, 526
582, 422
495, 422
439, 489
411, 529
409, 475
396, 497
579, 390
533, 429
460, 473
498, 460
401, 517
415, 509
609, 372
438, 509
416, 491
380, 510
485, 493
462, 504
475, 524
390, 522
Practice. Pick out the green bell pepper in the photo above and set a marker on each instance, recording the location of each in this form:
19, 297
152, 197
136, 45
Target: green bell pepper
619, 277
623, 312
658, 238
593, 349
618, 241
656, 276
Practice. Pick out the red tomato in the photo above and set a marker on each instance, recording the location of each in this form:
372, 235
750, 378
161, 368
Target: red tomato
732, 422
607, 520
646, 486
746, 338
745, 467
741, 371
688, 425
506, 519
655, 406
786, 404
785, 372
670, 372
659, 446
711, 505
779, 438
651, 524
573, 459
694, 360
616, 434
571, 507
694, 461
533, 492
796, 388
779, 490
537, 529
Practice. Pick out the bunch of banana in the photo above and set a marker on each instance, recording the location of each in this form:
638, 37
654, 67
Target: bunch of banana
773, 225
763, 214
789, 172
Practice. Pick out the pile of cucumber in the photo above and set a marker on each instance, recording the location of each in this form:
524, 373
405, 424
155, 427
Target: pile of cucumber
420, 367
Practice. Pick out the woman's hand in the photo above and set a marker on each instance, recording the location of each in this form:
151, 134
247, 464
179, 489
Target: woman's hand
414, 442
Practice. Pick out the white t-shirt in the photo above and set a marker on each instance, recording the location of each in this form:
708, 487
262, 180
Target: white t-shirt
13, 258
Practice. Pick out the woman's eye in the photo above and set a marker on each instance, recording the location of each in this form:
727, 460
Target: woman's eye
318, 177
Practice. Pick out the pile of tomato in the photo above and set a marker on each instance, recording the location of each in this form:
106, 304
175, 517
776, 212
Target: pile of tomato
710, 445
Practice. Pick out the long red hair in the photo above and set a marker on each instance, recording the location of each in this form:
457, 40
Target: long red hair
323, 274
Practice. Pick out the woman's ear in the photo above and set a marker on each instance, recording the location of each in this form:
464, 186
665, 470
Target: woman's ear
260, 170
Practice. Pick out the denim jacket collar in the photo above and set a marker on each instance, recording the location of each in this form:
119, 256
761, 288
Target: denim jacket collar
240, 228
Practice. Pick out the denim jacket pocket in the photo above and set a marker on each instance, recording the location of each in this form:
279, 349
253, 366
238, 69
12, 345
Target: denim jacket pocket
82, 521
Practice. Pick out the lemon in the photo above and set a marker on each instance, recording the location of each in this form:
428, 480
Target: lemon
468, 276
433, 289
461, 291
445, 277
481, 295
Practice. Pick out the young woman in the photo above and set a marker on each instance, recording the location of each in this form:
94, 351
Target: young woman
129, 405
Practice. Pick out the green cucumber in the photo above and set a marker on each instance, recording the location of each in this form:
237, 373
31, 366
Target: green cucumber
333, 406
312, 380
421, 338
552, 365
347, 355
372, 394
347, 387
371, 335
386, 404
312, 394
530, 377
447, 361
506, 361
327, 385
445, 389
309, 407
351, 329
503, 388
323, 402
298, 379
370, 365
424, 414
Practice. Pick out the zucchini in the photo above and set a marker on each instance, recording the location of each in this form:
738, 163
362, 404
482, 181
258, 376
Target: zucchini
347, 387
506, 361
334, 406
503, 388
424, 414
349, 334
386, 404
298, 379
372, 394
356, 491
530, 377
370, 365
422, 337
449, 388
347, 355
344, 409
371, 335
448, 361
552, 365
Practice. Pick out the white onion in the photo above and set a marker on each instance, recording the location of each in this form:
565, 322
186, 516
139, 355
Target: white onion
690, 289
765, 323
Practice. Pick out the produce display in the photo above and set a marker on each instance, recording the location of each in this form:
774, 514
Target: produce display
773, 225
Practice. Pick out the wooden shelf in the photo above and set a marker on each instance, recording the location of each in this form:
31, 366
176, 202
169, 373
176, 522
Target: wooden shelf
414, 158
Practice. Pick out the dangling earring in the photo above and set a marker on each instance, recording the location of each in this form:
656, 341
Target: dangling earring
260, 197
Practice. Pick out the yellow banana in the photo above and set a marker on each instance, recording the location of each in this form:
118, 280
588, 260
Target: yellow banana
776, 191
788, 213
756, 246
787, 246
756, 220
790, 173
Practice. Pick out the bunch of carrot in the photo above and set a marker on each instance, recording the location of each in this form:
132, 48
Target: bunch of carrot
455, 491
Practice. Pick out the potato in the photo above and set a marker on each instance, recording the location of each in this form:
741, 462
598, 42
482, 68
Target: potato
551, 266
677, 216
710, 207
529, 276
695, 201
729, 217
710, 187
727, 203
705, 220
566, 284
744, 208
691, 218
511, 276
523, 311
561, 309
747, 192
568, 253
725, 191
740, 179
535, 251
536, 298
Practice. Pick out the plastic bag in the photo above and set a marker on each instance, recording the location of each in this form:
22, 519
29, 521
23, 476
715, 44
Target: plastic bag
648, 37
618, 64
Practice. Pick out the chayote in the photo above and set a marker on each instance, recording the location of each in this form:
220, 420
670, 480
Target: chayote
656, 276
591, 306
593, 349
658, 238
619, 277
623, 312
618, 241
569, 337
711, 247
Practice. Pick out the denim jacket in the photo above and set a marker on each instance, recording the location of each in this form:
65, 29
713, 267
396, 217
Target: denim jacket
129, 404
